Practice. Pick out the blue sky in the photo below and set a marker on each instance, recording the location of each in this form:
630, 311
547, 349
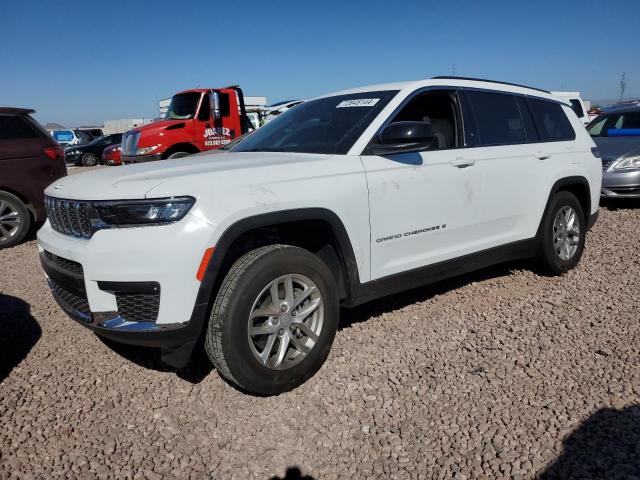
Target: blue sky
80, 62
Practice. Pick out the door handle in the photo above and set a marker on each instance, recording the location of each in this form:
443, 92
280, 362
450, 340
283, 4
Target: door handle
543, 156
462, 162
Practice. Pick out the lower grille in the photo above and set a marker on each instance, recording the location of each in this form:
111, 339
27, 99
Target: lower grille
71, 299
69, 265
138, 307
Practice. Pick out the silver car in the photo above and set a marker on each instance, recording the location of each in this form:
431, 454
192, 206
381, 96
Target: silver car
617, 134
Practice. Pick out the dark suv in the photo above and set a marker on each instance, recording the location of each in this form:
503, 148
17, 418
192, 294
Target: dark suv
29, 161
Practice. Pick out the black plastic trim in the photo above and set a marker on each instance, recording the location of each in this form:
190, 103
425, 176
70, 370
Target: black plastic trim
129, 287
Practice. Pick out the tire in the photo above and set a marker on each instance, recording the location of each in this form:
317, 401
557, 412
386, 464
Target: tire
178, 155
560, 260
244, 293
15, 220
89, 160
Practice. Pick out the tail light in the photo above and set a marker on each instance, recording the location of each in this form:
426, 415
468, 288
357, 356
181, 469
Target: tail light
54, 152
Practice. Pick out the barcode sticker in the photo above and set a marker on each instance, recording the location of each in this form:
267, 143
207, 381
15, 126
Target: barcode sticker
358, 102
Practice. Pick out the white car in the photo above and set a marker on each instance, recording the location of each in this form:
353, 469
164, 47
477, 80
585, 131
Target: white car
577, 104
347, 198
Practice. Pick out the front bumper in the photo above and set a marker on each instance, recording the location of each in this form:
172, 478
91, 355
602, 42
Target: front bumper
620, 184
141, 158
132, 285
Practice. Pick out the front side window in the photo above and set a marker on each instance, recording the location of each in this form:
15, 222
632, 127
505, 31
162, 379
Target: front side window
498, 120
597, 126
439, 109
328, 125
553, 125
183, 106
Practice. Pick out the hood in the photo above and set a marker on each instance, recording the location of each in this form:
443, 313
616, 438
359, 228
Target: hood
156, 127
612, 148
135, 181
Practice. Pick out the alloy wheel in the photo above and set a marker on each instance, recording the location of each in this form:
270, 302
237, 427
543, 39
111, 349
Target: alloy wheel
285, 321
566, 233
9, 220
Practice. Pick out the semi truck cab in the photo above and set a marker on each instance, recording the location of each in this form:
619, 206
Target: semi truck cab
197, 120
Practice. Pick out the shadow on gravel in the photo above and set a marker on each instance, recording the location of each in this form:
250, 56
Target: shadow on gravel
196, 370
619, 203
606, 446
375, 308
293, 473
19, 332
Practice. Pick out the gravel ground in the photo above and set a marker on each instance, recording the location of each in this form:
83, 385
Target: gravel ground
504, 373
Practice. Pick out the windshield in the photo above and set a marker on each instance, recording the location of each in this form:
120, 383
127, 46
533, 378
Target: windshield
183, 106
616, 125
327, 125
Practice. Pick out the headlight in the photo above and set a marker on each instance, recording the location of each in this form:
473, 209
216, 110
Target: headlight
627, 163
146, 150
157, 211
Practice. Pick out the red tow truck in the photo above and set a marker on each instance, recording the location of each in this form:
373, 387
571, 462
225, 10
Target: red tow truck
196, 120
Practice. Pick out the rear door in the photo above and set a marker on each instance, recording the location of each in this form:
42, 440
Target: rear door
511, 167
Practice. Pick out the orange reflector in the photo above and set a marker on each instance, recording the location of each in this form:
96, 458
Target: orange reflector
204, 263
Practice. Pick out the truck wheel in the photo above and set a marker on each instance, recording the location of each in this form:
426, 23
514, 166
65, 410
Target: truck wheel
178, 155
89, 160
15, 220
274, 319
563, 234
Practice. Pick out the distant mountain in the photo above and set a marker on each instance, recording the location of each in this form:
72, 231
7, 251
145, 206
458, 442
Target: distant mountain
54, 126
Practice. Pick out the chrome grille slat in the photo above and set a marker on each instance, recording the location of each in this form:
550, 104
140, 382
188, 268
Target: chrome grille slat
69, 217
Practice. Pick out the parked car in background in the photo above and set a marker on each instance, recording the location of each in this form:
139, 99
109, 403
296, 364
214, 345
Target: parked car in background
91, 153
94, 132
617, 134
346, 198
272, 111
196, 120
65, 138
577, 104
112, 155
84, 137
29, 161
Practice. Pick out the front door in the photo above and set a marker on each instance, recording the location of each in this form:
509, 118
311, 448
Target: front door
423, 205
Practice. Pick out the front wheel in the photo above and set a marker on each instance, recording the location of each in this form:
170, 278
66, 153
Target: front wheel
564, 233
178, 155
15, 220
274, 319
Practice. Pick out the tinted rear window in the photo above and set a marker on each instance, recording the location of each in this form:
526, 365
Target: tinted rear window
14, 126
553, 125
497, 118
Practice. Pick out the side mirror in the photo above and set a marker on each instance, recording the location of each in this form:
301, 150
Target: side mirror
403, 137
214, 102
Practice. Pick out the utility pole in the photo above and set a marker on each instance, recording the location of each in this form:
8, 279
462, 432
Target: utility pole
453, 69
623, 85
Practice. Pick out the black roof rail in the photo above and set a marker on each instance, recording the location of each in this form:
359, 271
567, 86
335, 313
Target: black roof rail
446, 77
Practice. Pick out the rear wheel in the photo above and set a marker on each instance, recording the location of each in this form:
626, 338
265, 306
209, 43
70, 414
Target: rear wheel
563, 235
274, 319
15, 220
89, 160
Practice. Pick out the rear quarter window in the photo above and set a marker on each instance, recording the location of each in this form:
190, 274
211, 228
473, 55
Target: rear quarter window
551, 121
16, 127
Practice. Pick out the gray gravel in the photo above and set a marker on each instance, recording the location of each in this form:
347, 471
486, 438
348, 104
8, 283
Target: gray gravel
500, 374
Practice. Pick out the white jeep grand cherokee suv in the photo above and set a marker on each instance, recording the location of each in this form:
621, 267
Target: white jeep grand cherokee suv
343, 199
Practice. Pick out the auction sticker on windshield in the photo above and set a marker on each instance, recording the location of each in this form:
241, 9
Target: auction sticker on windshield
358, 102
